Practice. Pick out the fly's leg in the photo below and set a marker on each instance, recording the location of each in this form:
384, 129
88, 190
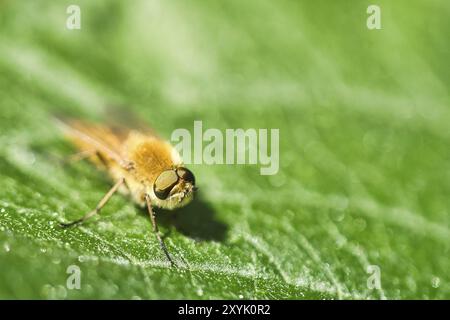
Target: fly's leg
71, 159
99, 206
80, 156
156, 230
127, 165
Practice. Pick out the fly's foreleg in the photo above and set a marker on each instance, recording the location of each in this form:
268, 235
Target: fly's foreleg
99, 206
156, 230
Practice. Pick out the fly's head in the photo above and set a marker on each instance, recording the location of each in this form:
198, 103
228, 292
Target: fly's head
174, 188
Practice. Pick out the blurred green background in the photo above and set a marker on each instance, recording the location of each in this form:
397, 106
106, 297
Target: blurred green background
364, 148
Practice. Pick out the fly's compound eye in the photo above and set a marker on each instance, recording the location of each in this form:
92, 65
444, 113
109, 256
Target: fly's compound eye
164, 184
186, 175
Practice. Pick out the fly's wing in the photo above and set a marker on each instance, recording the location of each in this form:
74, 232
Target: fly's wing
139, 148
96, 139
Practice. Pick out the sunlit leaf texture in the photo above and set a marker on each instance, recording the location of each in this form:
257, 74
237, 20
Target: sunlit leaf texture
364, 178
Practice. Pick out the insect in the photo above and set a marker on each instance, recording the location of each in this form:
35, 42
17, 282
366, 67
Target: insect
142, 166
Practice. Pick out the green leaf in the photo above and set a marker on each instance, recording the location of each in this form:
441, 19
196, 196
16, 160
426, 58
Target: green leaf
364, 148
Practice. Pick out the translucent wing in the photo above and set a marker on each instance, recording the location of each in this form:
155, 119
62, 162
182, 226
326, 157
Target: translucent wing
95, 138
129, 148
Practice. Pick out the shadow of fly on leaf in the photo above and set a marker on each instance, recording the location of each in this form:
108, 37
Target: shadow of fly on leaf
141, 165
196, 221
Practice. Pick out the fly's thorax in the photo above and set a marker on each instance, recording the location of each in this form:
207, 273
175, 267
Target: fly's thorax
150, 157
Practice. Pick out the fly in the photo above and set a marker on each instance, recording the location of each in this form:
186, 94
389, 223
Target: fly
141, 165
